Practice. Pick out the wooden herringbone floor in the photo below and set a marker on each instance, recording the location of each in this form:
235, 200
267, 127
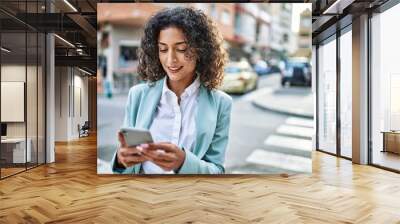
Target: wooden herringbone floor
70, 191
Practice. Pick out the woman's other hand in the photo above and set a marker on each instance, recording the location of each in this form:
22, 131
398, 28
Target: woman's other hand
128, 156
166, 155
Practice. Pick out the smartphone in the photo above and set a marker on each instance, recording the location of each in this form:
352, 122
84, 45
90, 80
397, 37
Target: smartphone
136, 136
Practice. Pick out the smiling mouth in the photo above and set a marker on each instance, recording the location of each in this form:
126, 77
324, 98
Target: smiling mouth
175, 70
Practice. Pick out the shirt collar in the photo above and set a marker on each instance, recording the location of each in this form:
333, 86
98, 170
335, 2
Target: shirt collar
191, 89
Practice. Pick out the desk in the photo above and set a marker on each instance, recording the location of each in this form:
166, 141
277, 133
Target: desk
391, 141
16, 147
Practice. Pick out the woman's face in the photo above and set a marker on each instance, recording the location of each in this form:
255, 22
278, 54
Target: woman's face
175, 56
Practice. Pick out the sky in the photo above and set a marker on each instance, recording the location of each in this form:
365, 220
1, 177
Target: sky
297, 9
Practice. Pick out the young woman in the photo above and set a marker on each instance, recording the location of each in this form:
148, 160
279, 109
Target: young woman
181, 58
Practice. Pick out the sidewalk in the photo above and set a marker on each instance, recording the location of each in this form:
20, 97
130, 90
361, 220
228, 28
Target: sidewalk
297, 101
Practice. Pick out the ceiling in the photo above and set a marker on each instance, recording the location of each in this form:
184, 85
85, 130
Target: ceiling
330, 15
72, 20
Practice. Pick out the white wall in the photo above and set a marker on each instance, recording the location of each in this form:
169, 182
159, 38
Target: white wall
61, 103
71, 88
80, 109
33, 126
12, 101
12, 73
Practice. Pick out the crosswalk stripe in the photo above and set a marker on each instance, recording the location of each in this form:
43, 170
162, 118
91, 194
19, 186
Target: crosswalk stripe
289, 142
300, 122
103, 167
296, 131
280, 160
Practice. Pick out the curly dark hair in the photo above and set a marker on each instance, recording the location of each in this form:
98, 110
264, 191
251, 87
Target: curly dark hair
203, 39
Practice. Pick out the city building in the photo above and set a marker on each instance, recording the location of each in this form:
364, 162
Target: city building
252, 31
120, 29
245, 30
304, 35
223, 15
263, 31
281, 30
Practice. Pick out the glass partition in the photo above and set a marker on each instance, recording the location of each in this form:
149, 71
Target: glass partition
327, 98
13, 108
346, 94
22, 89
385, 89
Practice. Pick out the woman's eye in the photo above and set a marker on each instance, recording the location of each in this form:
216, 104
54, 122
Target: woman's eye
181, 50
163, 50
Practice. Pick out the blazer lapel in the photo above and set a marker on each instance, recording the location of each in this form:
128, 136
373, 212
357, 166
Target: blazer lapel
149, 105
206, 118
147, 110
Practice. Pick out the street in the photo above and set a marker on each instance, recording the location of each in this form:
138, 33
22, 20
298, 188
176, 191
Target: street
262, 141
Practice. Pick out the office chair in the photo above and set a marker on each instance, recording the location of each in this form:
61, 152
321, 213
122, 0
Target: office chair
84, 130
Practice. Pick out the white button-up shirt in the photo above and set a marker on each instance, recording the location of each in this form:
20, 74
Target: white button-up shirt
173, 122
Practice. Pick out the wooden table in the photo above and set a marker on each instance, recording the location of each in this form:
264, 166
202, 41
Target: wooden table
391, 141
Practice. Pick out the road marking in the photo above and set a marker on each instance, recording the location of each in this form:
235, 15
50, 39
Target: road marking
253, 95
103, 167
296, 131
289, 142
300, 122
280, 160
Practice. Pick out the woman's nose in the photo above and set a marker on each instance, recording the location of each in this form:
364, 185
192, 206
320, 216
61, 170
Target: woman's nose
172, 58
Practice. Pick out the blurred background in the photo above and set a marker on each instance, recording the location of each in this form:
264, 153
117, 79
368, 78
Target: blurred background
268, 75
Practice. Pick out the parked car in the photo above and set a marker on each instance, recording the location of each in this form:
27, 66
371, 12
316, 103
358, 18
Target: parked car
261, 67
275, 66
239, 77
297, 72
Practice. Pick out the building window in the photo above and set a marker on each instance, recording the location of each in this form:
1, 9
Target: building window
127, 54
306, 23
285, 38
226, 17
246, 27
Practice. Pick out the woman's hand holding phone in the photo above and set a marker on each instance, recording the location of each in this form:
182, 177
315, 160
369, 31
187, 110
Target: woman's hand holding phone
166, 155
128, 155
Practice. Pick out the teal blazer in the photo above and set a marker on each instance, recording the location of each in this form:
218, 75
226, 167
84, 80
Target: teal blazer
212, 127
